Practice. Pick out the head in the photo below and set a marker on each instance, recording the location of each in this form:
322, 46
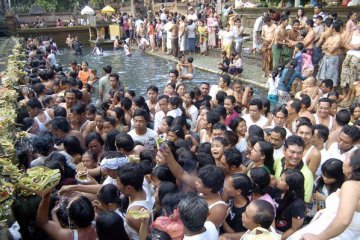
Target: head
130, 179
238, 125
277, 137
351, 166
292, 183
141, 119
81, 212
348, 138
211, 179
110, 226
262, 153
238, 184
255, 107
321, 135
293, 151
258, 213
305, 130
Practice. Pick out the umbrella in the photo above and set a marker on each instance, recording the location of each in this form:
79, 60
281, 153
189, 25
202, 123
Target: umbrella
87, 11
36, 10
107, 9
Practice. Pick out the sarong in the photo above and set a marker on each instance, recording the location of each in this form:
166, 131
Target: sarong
286, 54
329, 69
182, 43
350, 70
212, 39
257, 40
276, 51
266, 62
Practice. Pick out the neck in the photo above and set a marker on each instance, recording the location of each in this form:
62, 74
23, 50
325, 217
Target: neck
140, 131
187, 232
137, 196
240, 201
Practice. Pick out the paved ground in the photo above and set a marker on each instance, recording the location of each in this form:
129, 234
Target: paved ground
251, 63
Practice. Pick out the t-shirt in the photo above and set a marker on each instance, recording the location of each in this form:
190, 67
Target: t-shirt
104, 86
148, 139
211, 233
258, 24
158, 119
296, 210
261, 122
52, 59
227, 37
193, 111
335, 152
191, 31
234, 218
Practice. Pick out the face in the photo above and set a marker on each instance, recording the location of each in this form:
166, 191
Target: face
84, 66
316, 10
299, 12
88, 162
170, 90
356, 114
276, 140
281, 184
160, 159
345, 142
181, 90
222, 83
33, 112
229, 106
293, 155
229, 188
237, 88
140, 123
328, 180
238, 23
279, 119
316, 139
99, 120
94, 146
204, 89
324, 109
164, 127
217, 149
187, 99
163, 104
112, 82
333, 109
241, 129
171, 136
217, 133
152, 95
70, 99
90, 116
323, 88
172, 77
256, 154
305, 133
107, 127
200, 187
296, 26
248, 216
254, 112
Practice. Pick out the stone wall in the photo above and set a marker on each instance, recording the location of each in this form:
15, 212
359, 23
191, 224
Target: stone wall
50, 18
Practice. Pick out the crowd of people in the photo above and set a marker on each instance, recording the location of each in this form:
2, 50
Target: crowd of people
209, 162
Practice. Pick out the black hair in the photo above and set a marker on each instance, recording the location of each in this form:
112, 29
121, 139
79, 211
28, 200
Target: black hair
126, 103
130, 175
352, 131
142, 113
291, 71
322, 131
110, 226
164, 174
234, 123
93, 136
81, 212
355, 165
204, 147
306, 100
231, 137
296, 105
141, 103
328, 23
72, 145
178, 130
109, 193
260, 178
256, 102
110, 140
226, 79
305, 123
221, 110
124, 141
268, 150
152, 88
343, 117
242, 182
34, 103
280, 130
212, 177
265, 213
332, 168
212, 117
294, 140
233, 157
220, 97
165, 188
310, 22
255, 130
60, 123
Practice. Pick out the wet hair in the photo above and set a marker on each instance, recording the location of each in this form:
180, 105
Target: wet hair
72, 145
93, 136
60, 112
256, 102
126, 103
43, 143
265, 213
322, 131
110, 226
233, 157
242, 182
337, 24
34, 103
343, 117
260, 178
60, 123
190, 204
220, 97
174, 71
212, 117
165, 188
352, 131
231, 137
296, 105
294, 140
355, 165
328, 22
268, 150
353, 106
141, 103
299, 46
306, 100
124, 141
212, 177
120, 114
163, 173
204, 147
175, 101
177, 129
81, 212
109, 193
332, 168
227, 79
142, 113
131, 175
170, 202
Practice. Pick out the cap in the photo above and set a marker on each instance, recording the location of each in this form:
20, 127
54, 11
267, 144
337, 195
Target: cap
113, 163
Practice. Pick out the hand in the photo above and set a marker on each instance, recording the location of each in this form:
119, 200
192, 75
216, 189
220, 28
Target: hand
65, 190
145, 218
309, 236
318, 196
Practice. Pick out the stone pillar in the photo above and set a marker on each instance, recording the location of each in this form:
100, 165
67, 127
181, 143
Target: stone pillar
132, 7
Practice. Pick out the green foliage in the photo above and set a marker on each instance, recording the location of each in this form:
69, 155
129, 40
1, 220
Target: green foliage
96, 4
48, 5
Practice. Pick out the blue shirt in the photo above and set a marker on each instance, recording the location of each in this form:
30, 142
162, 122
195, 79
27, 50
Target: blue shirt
287, 86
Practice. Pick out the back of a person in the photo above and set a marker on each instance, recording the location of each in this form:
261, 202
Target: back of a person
211, 233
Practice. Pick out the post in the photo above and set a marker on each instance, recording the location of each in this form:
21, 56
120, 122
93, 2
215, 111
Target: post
132, 8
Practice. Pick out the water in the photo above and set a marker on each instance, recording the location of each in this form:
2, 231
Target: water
139, 71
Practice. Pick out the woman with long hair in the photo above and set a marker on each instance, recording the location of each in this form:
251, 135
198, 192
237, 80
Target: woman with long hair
261, 155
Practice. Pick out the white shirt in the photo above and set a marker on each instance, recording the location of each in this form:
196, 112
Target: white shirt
278, 153
109, 180
211, 233
261, 122
258, 24
193, 111
192, 17
334, 152
163, 16
158, 119
191, 31
148, 139
174, 113
272, 85
227, 37
324, 156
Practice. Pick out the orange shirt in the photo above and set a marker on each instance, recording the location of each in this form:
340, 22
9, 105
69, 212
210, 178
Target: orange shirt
84, 76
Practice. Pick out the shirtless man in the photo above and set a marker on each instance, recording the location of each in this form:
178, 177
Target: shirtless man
183, 68
323, 37
329, 68
305, 101
70, 100
69, 41
182, 34
279, 41
342, 118
267, 35
322, 115
174, 40
309, 38
224, 84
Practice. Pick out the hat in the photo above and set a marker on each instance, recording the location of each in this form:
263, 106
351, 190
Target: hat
107, 68
113, 163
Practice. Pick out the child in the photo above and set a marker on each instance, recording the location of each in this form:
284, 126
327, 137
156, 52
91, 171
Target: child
175, 107
235, 67
310, 88
183, 68
331, 179
203, 37
127, 48
170, 89
224, 65
97, 50
272, 84
307, 68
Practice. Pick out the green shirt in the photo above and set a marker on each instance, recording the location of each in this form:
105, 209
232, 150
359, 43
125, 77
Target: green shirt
308, 176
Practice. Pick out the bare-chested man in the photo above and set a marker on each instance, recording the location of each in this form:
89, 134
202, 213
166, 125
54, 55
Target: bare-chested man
267, 35
174, 40
329, 68
182, 34
322, 39
279, 41
309, 38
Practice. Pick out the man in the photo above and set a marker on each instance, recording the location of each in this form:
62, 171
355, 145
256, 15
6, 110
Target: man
293, 152
104, 86
70, 100
60, 127
326, 87
279, 41
267, 35
323, 37
329, 68
322, 115
254, 116
280, 117
238, 31
204, 97
141, 133
309, 38
293, 106
311, 155
192, 15
346, 143
342, 118
182, 34
51, 58
195, 225
159, 115
152, 93
318, 12
80, 122
130, 183
115, 84
173, 76
174, 38
224, 84
277, 139
305, 104
258, 25
321, 135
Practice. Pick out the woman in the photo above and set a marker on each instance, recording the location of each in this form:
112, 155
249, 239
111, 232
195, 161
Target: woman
180, 90
191, 111
351, 23
203, 37
300, 15
108, 200
73, 147
212, 23
261, 155
81, 215
84, 74
238, 125
95, 143
340, 219
110, 226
